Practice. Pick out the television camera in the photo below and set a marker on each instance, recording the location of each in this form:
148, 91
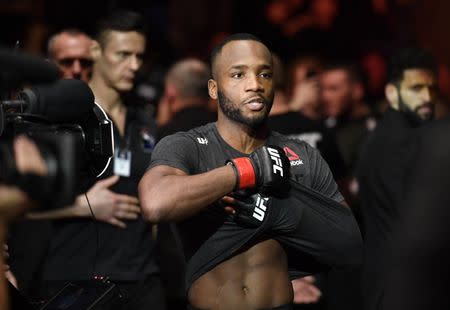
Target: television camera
73, 134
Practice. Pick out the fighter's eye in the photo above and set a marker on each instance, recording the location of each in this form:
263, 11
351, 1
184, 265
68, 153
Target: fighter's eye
266, 75
237, 75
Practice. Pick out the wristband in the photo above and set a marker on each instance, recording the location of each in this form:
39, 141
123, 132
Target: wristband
245, 173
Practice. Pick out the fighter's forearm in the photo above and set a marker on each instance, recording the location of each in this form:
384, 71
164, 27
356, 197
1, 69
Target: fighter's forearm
172, 197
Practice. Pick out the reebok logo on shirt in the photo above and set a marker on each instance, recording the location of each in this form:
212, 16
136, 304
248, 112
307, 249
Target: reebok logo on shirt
294, 159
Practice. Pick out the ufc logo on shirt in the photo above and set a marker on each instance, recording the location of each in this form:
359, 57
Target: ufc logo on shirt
277, 167
260, 208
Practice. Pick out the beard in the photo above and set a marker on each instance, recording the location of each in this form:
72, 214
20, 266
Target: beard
233, 113
414, 115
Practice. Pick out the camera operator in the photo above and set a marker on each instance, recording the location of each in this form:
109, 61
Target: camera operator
14, 201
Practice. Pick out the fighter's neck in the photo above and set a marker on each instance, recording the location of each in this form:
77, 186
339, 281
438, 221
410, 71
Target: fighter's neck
241, 137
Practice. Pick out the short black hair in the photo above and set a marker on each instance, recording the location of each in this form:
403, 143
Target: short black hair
119, 20
409, 58
234, 37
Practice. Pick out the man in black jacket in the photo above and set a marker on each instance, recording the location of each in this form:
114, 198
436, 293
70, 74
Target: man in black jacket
383, 166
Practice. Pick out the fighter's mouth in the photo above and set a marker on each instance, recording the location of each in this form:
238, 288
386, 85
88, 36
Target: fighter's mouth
255, 100
255, 103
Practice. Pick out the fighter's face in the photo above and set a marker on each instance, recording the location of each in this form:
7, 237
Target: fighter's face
418, 93
121, 58
243, 82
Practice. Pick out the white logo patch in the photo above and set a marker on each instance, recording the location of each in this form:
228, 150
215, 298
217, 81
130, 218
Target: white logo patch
277, 167
260, 210
202, 140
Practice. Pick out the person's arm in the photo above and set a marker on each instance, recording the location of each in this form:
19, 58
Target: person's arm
107, 206
169, 194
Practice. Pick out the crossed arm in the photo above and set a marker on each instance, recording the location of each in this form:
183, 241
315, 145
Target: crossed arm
169, 194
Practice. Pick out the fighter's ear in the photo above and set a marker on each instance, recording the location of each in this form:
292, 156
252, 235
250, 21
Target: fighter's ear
212, 88
96, 50
391, 92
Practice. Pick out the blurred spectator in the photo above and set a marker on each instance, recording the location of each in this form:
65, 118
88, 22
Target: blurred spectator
303, 86
70, 50
374, 67
346, 113
185, 100
296, 123
384, 167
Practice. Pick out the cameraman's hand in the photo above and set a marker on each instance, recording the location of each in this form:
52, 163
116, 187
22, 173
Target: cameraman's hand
28, 158
108, 206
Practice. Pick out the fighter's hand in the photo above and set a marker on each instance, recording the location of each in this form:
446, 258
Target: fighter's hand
305, 292
108, 206
247, 211
266, 170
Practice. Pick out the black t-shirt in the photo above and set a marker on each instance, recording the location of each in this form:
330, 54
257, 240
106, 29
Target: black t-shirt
203, 149
123, 254
297, 126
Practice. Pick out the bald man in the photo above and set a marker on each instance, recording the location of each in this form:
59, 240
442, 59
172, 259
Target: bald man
185, 100
70, 51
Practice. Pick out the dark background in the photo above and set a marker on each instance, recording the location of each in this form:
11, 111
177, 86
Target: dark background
187, 28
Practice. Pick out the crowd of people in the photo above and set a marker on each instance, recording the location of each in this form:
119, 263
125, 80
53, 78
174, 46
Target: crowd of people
254, 182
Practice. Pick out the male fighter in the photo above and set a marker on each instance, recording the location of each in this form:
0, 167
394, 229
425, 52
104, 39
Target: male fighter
188, 178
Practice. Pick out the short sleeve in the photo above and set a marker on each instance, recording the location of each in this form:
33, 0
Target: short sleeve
177, 151
321, 176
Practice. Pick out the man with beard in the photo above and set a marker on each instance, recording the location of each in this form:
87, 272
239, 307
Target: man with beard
188, 179
383, 166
